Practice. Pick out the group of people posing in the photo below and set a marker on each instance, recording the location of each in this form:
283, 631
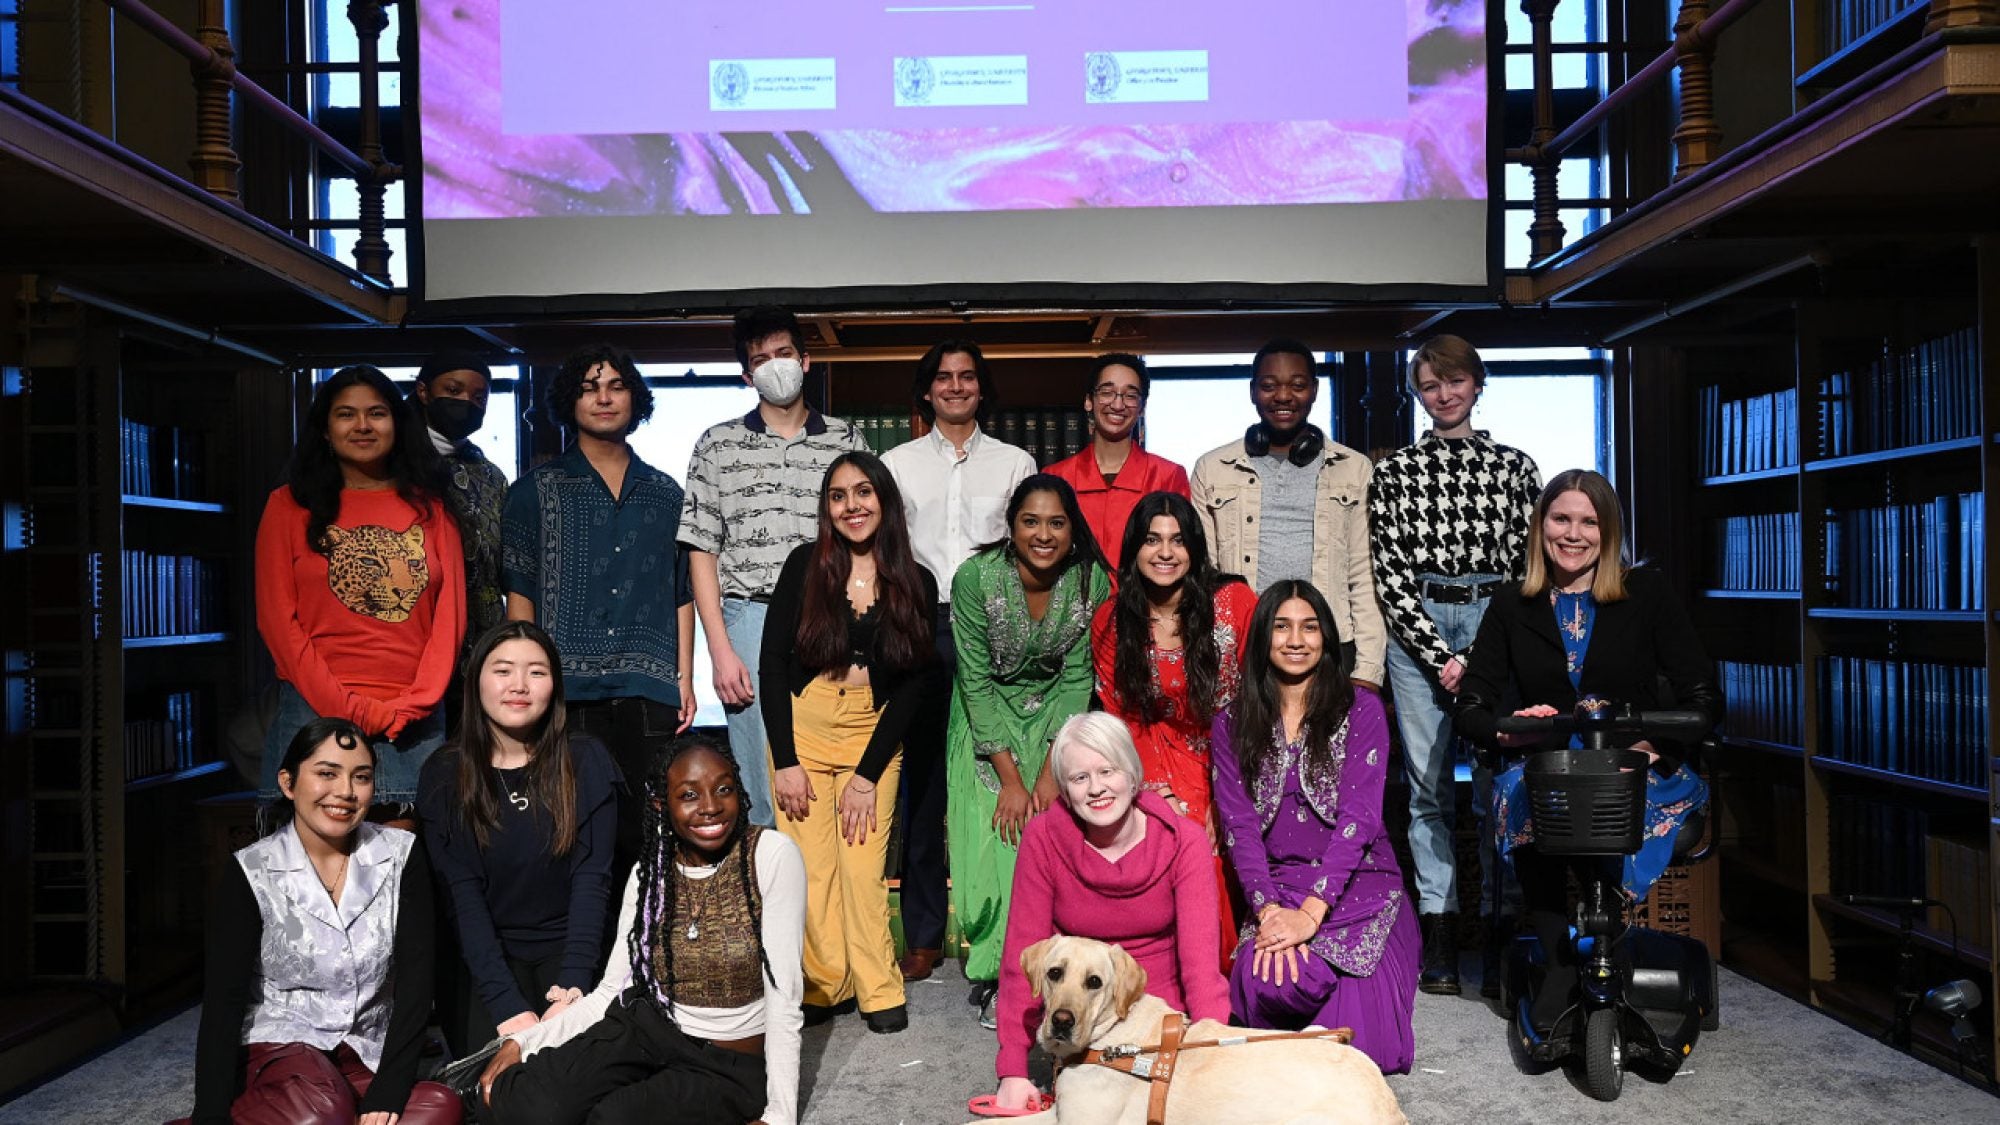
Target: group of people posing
1128, 702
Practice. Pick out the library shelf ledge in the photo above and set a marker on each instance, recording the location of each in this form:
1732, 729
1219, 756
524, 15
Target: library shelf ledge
1884, 921
1871, 1008
133, 500
1753, 595
176, 640
1902, 780
1781, 749
1735, 857
1852, 613
1782, 472
1900, 453
1867, 49
156, 780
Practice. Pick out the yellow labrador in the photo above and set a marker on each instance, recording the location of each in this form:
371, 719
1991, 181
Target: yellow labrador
1094, 995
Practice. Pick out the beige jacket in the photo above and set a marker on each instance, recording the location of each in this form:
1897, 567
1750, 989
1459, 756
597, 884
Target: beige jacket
1226, 494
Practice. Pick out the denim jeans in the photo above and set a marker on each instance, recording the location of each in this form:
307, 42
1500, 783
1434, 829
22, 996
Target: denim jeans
397, 763
743, 621
1430, 758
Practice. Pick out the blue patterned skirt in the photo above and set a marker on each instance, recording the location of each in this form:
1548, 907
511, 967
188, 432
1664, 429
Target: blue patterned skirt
1669, 802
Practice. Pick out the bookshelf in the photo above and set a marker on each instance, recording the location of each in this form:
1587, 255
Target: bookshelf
1041, 407
1839, 476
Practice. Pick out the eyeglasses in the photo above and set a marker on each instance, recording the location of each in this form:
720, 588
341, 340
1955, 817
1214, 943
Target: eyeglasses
1105, 396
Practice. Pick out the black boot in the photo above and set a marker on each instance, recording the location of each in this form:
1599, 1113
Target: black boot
1493, 955
1440, 974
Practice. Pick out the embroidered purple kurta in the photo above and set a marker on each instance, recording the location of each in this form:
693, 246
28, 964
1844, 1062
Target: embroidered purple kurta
1317, 832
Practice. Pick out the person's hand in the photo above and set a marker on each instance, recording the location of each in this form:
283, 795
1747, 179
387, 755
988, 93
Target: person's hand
732, 680
1274, 966
1645, 747
1016, 1093
793, 791
857, 810
1047, 793
522, 1022
560, 998
688, 705
1449, 675
1011, 812
1282, 927
508, 1055
379, 1117
1538, 711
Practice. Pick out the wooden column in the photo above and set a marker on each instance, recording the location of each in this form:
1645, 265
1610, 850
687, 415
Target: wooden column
214, 162
1946, 14
371, 251
1545, 233
1698, 139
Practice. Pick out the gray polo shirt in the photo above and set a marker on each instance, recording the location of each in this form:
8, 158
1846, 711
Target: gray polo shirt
1285, 542
752, 496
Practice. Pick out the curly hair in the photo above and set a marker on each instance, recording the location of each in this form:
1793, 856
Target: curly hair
567, 387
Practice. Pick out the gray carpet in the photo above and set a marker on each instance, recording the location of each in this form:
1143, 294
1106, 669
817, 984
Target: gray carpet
1773, 1061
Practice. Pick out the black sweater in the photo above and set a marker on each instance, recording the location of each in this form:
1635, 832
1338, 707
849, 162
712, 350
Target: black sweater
895, 691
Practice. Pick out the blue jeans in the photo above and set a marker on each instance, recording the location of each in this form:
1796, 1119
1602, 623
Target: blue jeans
743, 621
1430, 758
396, 763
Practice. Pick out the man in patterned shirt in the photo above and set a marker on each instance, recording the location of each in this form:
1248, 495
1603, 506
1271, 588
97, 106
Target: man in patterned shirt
753, 489
1450, 524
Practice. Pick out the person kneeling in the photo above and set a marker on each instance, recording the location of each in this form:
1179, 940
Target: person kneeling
701, 1013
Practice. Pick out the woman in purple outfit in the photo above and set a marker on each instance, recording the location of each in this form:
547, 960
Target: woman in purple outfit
1299, 764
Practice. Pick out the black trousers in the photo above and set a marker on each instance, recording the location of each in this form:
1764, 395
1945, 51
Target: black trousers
631, 1066
634, 730
921, 803
461, 1014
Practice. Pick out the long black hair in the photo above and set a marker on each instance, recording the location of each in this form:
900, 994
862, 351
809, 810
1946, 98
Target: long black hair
654, 916
1257, 709
1084, 547
344, 735
551, 776
314, 472
1132, 671
903, 640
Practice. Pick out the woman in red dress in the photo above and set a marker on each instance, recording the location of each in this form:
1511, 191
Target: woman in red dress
1168, 650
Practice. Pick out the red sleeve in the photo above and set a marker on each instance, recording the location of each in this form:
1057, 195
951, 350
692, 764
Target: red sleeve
1104, 655
445, 555
1172, 478
281, 537
1238, 604
1031, 916
1197, 941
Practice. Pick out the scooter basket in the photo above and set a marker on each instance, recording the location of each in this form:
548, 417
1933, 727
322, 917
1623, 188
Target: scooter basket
1587, 802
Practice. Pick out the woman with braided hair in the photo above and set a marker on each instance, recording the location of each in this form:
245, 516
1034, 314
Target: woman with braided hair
700, 1008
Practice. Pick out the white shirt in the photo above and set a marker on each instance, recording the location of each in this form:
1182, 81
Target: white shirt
781, 884
954, 504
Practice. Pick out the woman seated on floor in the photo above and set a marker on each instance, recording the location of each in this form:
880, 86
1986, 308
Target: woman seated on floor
1300, 760
697, 1018
1119, 866
319, 958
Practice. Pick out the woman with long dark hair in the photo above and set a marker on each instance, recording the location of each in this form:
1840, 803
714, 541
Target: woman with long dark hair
1021, 611
848, 636
697, 1017
319, 953
361, 580
519, 815
1300, 761
1168, 649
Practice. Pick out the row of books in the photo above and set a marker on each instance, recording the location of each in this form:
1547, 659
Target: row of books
1049, 435
884, 430
1927, 555
1955, 874
1876, 847
172, 732
1842, 22
1925, 720
1915, 396
1761, 701
164, 461
171, 595
1746, 435
1759, 552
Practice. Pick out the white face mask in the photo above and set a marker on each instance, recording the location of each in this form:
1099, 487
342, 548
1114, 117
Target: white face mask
779, 381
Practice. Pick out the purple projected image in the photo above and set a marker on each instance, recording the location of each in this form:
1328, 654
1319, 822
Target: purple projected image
714, 107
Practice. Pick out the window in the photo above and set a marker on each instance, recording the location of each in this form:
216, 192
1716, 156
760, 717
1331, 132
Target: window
1544, 402
335, 66
1577, 32
1201, 402
10, 44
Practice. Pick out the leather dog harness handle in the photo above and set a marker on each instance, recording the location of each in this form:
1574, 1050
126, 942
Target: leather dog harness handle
1156, 1063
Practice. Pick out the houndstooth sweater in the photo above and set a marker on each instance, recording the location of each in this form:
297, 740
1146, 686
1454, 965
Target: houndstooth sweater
1452, 507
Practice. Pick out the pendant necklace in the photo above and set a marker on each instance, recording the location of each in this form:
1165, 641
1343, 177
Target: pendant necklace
697, 906
330, 885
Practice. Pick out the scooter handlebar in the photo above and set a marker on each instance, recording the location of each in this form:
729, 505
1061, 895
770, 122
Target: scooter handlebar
1670, 724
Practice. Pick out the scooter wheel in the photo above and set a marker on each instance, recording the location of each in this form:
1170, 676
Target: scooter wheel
1603, 1055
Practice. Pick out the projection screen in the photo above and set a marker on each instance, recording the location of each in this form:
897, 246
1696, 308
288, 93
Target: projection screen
699, 151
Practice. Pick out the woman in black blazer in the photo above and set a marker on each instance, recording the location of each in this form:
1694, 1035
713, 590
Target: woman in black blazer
1581, 623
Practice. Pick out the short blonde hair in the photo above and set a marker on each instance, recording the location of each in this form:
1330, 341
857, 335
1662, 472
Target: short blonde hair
1446, 353
1608, 584
1103, 732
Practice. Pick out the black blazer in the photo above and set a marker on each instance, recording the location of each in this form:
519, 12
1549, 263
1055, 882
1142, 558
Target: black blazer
1518, 660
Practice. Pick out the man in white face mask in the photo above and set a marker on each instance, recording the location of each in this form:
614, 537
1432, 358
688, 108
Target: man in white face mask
753, 495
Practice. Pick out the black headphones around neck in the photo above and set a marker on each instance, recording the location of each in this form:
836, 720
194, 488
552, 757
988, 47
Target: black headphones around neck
1306, 448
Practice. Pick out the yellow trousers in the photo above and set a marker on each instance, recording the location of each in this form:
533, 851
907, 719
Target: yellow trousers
849, 950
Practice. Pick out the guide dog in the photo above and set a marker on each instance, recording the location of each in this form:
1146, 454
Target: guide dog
1095, 1002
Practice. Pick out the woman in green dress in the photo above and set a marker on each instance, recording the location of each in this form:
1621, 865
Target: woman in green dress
1021, 611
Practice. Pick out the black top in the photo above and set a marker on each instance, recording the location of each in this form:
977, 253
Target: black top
895, 690
516, 897
1519, 660
234, 945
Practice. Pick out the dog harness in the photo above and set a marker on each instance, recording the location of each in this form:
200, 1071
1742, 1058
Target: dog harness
1156, 1063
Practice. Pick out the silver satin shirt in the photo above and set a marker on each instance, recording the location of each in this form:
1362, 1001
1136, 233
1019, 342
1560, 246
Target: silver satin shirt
324, 975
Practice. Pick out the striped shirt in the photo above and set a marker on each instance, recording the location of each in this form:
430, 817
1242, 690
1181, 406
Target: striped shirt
752, 496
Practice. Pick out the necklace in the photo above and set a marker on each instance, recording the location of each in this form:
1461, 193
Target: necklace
518, 800
697, 905
332, 886
863, 583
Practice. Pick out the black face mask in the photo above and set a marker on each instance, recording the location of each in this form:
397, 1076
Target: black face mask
454, 418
